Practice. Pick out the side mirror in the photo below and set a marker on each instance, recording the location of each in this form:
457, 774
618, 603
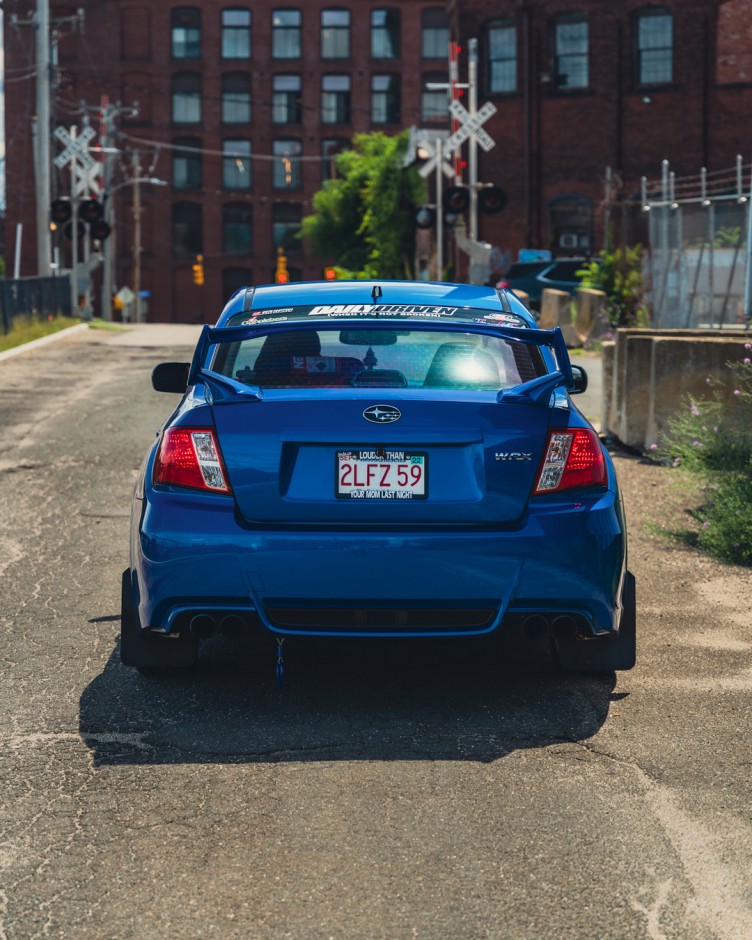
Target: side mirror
580, 380
170, 377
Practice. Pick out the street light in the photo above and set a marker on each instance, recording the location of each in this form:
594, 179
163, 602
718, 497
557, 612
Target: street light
109, 254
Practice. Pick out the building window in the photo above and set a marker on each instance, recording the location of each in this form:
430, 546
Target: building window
236, 164
237, 228
286, 218
186, 98
236, 98
385, 99
335, 34
502, 58
186, 163
655, 41
186, 228
286, 34
335, 99
236, 34
329, 150
434, 34
286, 172
186, 33
434, 102
286, 103
385, 34
571, 51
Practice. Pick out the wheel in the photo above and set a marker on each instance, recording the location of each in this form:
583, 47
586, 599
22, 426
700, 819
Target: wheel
605, 654
149, 653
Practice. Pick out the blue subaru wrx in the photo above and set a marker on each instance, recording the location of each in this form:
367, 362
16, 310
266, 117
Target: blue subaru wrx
392, 459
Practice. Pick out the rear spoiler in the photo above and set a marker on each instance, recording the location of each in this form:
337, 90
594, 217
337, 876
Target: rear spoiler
535, 391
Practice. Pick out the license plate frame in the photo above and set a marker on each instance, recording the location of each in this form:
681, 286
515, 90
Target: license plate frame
389, 465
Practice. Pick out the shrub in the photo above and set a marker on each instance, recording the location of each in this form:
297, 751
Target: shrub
712, 441
619, 275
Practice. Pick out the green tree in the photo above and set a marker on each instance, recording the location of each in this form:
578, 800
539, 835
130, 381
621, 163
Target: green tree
364, 219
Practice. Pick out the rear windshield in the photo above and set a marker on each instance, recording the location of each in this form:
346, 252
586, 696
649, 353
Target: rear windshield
379, 359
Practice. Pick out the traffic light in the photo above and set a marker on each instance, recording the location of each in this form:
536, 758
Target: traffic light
198, 270
330, 274
99, 230
281, 275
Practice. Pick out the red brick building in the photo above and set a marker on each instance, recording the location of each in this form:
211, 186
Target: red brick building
240, 107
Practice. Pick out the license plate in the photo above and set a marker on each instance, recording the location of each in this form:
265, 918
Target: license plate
381, 473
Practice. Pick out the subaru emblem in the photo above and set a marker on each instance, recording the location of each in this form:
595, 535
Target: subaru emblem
382, 414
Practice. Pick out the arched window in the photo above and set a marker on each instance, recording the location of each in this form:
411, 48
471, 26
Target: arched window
434, 33
434, 102
654, 42
237, 228
286, 100
236, 164
385, 99
187, 236
286, 29
286, 217
571, 51
186, 163
236, 33
236, 98
335, 99
185, 23
501, 56
385, 34
335, 34
186, 98
286, 167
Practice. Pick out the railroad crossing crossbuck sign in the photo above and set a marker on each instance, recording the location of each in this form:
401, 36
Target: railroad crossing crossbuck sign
436, 154
470, 126
87, 168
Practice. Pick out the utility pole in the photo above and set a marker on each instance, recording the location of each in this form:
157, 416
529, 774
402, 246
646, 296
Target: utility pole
136, 170
42, 135
472, 159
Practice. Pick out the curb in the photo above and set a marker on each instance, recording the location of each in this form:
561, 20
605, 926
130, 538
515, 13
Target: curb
42, 341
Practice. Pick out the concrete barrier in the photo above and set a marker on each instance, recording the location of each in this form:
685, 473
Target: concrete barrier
648, 375
589, 321
556, 310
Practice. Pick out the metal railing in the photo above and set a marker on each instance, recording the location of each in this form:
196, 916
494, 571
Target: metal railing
34, 298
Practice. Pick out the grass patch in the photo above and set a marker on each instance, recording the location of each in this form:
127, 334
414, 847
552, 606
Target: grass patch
99, 324
25, 330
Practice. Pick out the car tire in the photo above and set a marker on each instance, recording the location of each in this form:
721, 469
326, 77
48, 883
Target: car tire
151, 654
605, 654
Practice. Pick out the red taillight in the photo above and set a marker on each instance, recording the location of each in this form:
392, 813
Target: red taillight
190, 457
503, 285
573, 459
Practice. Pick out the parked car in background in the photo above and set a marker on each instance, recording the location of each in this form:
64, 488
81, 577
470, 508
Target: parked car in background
533, 277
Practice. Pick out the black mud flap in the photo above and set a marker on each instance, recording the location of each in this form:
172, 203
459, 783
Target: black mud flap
149, 652
605, 654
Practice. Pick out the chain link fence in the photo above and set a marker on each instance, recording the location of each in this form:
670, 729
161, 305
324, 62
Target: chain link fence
697, 270
34, 298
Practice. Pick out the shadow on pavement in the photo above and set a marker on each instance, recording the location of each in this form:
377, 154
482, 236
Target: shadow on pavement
467, 699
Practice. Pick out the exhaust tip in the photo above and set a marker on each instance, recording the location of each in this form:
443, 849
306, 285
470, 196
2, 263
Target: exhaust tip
232, 625
202, 625
564, 627
534, 627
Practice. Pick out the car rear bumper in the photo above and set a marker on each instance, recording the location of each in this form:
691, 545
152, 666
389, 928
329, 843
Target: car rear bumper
190, 555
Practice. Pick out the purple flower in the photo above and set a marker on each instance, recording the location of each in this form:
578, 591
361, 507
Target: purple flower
748, 345
654, 447
746, 360
706, 525
737, 392
693, 409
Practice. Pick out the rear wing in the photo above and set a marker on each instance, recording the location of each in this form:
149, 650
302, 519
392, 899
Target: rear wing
535, 391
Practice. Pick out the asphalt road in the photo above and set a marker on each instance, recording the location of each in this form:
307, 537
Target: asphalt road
429, 791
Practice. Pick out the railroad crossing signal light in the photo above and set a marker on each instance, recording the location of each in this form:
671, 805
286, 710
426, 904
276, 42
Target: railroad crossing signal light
456, 199
90, 210
99, 230
198, 270
281, 275
61, 211
491, 200
330, 274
